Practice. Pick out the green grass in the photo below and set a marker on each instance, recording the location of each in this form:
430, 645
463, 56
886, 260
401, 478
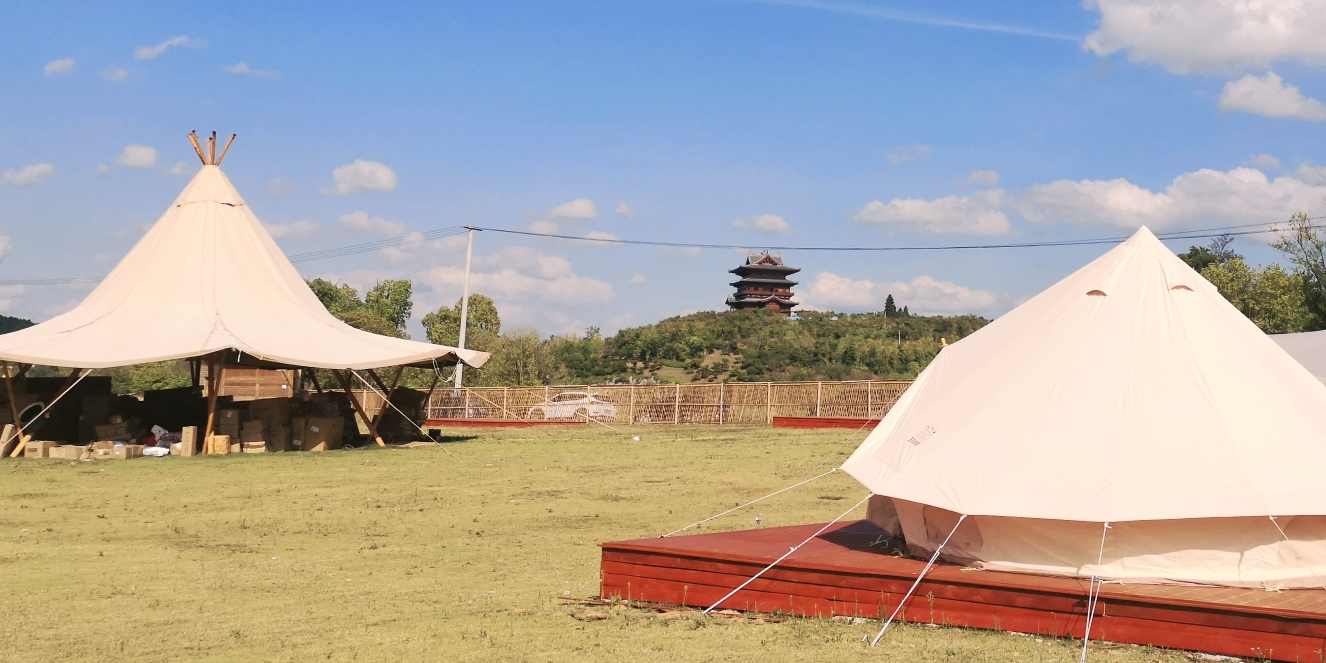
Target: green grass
418, 555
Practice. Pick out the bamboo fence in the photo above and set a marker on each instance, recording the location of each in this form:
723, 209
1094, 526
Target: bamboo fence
741, 403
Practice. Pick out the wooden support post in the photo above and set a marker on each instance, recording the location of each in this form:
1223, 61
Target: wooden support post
13, 409
466, 413
720, 403
631, 417
214, 370
388, 391
870, 391
505, 392
676, 404
344, 379
819, 391
768, 402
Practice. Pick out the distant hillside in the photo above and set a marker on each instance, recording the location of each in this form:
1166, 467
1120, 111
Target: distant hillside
757, 345
8, 324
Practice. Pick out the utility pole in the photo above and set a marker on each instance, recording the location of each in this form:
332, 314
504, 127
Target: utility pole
465, 302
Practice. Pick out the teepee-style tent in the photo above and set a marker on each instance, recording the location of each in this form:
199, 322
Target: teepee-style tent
207, 282
1126, 423
1307, 348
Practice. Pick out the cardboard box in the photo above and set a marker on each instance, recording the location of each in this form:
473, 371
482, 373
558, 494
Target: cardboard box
188, 441
103, 454
67, 451
298, 428
255, 447
323, 433
175, 448
251, 425
280, 441
121, 431
38, 448
252, 436
102, 444
236, 447
127, 451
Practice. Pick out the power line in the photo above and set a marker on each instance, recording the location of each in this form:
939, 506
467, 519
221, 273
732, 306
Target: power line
415, 238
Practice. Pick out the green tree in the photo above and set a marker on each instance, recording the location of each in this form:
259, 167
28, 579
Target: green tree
519, 358
1215, 253
890, 308
485, 325
1306, 250
385, 312
1272, 298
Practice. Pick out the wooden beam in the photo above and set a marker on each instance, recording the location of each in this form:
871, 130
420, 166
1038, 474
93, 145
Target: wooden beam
349, 393
214, 369
211, 149
227, 149
23, 370
13, 409
193, 138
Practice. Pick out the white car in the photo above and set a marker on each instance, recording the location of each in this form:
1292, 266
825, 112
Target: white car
574, 405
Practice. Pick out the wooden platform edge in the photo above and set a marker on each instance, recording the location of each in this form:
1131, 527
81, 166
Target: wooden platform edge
823, 422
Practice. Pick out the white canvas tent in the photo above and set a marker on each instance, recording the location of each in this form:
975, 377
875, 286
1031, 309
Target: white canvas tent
1129, 393
1307, 348
208, 282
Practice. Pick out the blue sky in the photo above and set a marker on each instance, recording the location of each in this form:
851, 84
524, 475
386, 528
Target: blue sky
715, 121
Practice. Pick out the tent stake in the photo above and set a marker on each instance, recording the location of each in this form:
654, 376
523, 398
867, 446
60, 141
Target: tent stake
372, 429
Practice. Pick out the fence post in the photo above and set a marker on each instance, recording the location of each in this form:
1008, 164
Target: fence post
819, 391
870, 391
768, 403
676, 405
720, 402
467, 404
631, 409
505, 412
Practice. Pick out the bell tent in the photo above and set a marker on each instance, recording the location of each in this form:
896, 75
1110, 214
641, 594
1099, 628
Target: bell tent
1126, 423
207, 282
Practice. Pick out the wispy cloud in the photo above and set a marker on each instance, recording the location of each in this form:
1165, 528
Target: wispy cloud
896, 15
245, 70
149, 52
61, 66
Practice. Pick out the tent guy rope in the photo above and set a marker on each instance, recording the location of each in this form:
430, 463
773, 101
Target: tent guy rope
738, 508
1093, 594
919, 576
785, 556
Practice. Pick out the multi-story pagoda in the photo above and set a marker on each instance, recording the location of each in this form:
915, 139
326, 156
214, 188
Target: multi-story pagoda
764, 284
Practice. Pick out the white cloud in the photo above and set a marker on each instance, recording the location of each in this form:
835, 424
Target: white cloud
905, 153
61, 66
8, 293
279, 186
6, 245
580, 209
764, 223
362, 177
544, 227
149, 52
114, 74
28, 174
624, 210
599, 234
638, 279
103, 170
977, 214
922, 294
534, 287
137, 156
372, 224
245, 70
683, 252
984, 177
180, 168
301, 229
1270, 96
1265, 161
1188, 36
1198, 199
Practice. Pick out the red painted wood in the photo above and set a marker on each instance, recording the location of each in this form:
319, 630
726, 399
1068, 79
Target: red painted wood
823, 422
498, 423
840, 573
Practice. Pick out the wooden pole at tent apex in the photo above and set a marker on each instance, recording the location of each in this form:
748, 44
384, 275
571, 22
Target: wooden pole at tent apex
226, 149
211, 149
193, 138
344, 379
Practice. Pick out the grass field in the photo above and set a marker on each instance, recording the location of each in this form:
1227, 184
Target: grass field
459, 552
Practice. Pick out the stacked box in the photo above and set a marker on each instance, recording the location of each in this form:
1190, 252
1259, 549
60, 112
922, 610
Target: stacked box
127, 451
188, 444
68, 451
101, 449
255, 447
323, 433
280, 439
228, 422
220, 444
120, 429
38, 448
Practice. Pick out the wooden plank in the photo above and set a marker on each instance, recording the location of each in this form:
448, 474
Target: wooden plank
823, 422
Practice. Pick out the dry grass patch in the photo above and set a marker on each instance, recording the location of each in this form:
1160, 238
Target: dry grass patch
416, 555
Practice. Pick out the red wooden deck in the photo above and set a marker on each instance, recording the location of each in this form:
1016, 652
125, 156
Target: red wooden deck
823, 422
849, 570
498, 423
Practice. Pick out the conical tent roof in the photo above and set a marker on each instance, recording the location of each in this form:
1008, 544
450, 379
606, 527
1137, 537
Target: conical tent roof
1130, 390
207, 278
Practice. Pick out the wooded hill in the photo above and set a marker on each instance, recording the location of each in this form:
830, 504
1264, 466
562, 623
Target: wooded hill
758, 345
